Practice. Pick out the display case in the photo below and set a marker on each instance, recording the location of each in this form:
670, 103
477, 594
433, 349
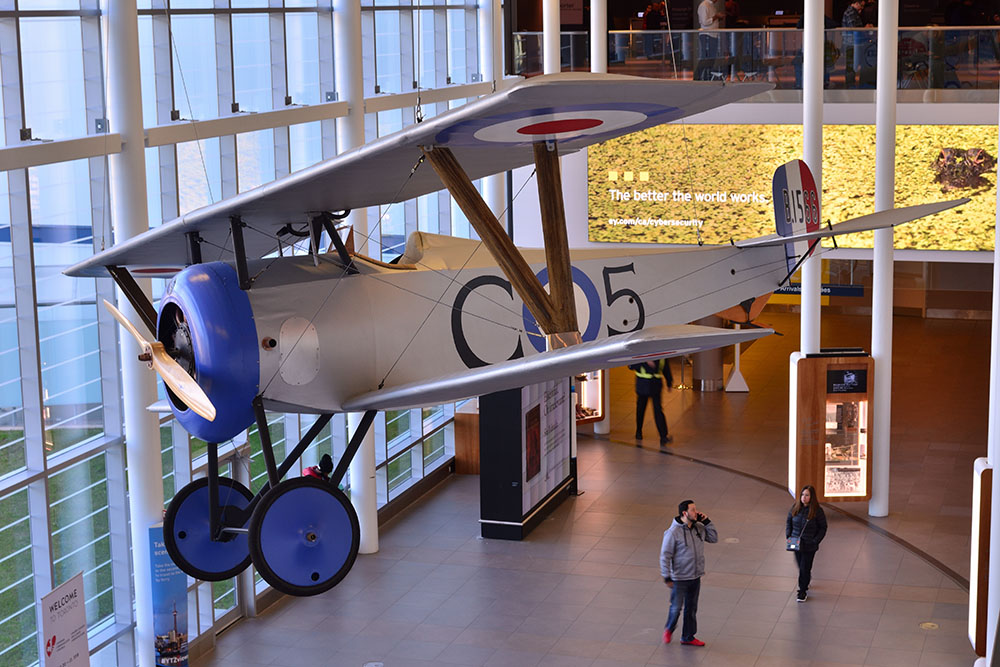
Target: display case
831, 406
845, 468
590, 389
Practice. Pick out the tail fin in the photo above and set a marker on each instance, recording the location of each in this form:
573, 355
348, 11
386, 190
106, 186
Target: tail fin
796, 206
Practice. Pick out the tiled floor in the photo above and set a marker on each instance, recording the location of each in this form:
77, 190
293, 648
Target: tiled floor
584, 589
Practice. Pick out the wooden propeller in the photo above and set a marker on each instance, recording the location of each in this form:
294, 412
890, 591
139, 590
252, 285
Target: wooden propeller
175, 377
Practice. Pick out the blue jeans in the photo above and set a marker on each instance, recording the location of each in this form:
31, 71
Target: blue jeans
684, 594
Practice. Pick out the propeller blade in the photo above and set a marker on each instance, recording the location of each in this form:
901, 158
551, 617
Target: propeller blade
173, 375
122, 320
181, 383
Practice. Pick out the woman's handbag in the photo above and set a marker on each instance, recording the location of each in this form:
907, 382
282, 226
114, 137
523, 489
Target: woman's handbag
795, 543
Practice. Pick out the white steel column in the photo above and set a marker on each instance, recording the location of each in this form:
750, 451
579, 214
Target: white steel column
993, 457
812, 143
363, 491
491, 66
599, 36
347, 62
599, 64
885, 181
129, 213
550, 37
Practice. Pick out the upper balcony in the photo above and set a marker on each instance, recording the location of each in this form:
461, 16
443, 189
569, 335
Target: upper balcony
933, 64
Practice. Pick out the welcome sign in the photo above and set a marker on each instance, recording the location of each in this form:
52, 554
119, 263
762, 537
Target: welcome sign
64, 626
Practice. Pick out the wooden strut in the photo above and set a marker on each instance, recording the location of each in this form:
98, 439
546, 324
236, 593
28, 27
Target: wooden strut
513, 265
550, 202
131, 290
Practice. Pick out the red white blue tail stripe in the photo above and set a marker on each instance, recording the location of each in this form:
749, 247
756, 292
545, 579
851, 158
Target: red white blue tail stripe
796, 206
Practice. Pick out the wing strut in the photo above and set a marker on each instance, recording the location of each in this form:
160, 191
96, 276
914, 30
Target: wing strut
143, 306
338, 243
550, 203
236, 224
544, 308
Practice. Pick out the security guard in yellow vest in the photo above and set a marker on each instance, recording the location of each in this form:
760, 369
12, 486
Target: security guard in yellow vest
649, 377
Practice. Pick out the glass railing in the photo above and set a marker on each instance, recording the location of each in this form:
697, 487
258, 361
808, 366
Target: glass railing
928, 58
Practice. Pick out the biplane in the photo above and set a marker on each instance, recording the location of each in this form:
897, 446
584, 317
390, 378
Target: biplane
253, 327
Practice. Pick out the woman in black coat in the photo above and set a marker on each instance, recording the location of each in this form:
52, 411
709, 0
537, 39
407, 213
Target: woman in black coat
807, 522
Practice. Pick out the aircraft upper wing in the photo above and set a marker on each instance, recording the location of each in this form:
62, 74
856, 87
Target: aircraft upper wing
864, 223
620, 350
488, 136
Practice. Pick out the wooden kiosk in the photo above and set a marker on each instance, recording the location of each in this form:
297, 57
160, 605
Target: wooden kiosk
831, 408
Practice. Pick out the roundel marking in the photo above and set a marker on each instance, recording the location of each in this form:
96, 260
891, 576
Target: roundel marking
557, 126
561, 125
556, 123
581, 280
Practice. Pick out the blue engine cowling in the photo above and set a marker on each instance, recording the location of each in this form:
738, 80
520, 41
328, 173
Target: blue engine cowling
206, 324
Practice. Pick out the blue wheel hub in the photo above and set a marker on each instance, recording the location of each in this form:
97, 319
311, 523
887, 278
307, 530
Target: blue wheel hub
304, 536
187, 533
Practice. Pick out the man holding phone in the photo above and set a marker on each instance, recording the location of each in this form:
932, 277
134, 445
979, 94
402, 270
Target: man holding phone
682, 564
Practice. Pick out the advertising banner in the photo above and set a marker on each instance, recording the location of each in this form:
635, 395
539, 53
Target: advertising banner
64, 625
571, 12
545, 420
711, 184
169, 592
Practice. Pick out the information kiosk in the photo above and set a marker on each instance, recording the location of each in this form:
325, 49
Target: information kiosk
831, 424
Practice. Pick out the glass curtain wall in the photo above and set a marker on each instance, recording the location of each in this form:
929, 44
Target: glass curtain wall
63, 502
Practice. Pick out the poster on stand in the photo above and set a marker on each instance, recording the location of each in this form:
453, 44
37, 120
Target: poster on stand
545, 420
64, 625
169, 594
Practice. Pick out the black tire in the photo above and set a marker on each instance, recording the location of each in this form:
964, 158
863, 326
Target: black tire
186, 532
304, 536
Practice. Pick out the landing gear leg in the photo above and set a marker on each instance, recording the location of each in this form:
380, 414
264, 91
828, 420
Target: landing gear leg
304, 534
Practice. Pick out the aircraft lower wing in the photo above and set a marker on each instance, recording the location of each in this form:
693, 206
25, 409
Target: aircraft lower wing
864, 223
621, 350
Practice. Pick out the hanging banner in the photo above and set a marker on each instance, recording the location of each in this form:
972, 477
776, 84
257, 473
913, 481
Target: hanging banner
64, 625
169, 593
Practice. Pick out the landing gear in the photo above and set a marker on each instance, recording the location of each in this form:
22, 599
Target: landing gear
188, 535
304, 536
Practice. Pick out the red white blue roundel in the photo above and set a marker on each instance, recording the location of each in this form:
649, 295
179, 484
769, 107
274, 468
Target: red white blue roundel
557, 123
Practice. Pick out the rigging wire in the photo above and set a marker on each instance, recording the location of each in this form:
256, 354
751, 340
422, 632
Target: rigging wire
454, 279
683, 123
337, 281
447, 287
772, 266
175, 54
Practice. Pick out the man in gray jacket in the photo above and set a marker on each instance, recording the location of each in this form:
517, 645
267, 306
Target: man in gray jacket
682, 564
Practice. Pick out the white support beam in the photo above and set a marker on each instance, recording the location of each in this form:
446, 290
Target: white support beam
404, 100
812, 142
993, 457
279, 89
551, 37
26, 154
351, 64
181, 131
882, 281
35, 153
327, 89
225, 98
130, 216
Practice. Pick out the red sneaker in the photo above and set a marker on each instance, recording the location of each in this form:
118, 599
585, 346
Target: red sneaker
666, 636
693, 642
